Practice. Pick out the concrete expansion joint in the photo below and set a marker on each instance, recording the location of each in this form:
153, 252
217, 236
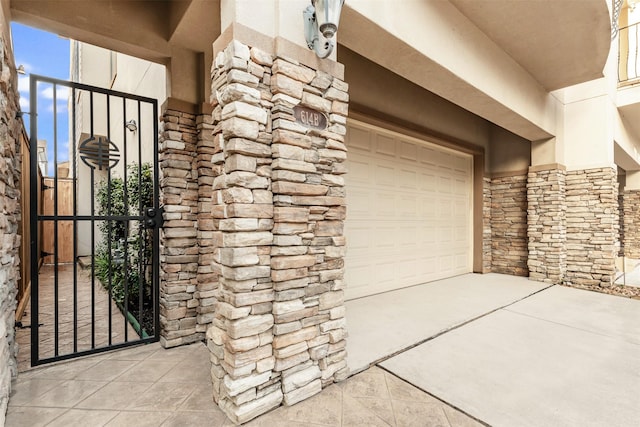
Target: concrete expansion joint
447, 330
440, 399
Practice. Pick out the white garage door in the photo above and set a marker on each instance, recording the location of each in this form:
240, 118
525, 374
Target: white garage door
409, 211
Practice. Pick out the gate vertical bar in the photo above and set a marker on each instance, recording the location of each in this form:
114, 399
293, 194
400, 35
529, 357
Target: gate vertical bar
35, 234
126, 208
109, 222
156, 230
56, 259
75, 221
142, 229
93, 236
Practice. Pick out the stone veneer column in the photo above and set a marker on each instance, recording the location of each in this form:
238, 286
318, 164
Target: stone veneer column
240, 338
631, 222
309, 245
207, 278
592, 226
10, 164
546, 223
278, 205
179, 250
486, 225
509, 251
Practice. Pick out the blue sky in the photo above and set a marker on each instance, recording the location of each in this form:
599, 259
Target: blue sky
45, 54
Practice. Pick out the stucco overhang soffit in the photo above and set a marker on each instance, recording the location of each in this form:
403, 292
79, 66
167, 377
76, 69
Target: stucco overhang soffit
435, 46
559, 42
132, 27
194, 24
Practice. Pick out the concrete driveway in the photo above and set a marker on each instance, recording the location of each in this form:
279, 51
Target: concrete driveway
554, 356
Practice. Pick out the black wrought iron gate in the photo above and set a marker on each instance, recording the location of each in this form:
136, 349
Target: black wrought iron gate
95, 219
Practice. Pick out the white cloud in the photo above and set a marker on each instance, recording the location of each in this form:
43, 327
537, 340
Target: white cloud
24, 103
23, 84
63, 151
61, 108
62, 92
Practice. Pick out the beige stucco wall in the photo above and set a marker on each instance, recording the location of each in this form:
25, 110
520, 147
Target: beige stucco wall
377, 89
103, 68
508, 152
464, 65
592, 131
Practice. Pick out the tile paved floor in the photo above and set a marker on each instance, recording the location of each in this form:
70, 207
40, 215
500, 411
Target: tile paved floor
103, 308
151, 386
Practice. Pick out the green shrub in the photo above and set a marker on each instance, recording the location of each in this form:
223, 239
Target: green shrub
111, 269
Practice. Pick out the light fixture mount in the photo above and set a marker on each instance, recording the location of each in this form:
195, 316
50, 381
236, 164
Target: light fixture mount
131, 125
321, 20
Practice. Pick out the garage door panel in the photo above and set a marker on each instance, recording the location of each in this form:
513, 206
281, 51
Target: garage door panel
462, 235
445, 208
409, 220
446, 263
361, 203
409, 237
407, 206
408, 179
460, 208
359, 240
360, 172
385, 206
427, 155
461, 186
409, 151
429, 235
385, 175
385, 145
461, 263
359, 139
445, 235
385, 237
385, 272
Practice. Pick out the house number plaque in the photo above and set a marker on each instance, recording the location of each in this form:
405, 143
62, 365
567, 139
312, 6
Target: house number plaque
310, 117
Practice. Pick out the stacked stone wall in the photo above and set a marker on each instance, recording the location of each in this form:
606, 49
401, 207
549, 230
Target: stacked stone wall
179, 251
10, 166
592, 226
486, 225
245, 383
309, 245
630, 210
207, 278
509, 251
278, 209
546, 224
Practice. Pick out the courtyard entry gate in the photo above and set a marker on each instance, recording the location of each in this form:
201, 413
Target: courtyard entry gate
95, 219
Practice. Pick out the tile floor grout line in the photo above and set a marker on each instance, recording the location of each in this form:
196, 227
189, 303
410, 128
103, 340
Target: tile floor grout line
395, 420
452, 328
447, 417
70, 409
437, 398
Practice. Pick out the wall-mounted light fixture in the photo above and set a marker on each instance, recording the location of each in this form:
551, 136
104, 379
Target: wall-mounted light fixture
132, 125
321, 20
21, 70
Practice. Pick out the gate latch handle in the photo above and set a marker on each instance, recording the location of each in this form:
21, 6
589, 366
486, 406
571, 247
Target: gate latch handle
152, 217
